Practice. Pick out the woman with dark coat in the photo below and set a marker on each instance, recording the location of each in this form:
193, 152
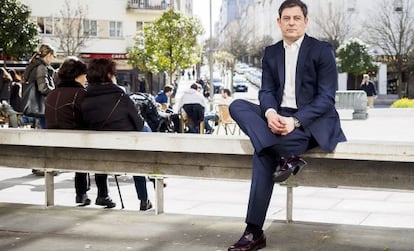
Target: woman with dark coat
40, 72
107, 108
62, 111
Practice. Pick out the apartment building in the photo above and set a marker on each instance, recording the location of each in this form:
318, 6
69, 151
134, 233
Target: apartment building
110, 25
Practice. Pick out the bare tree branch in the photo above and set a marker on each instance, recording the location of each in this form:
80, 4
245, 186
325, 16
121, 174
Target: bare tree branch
334, 23
69, 29
391, 29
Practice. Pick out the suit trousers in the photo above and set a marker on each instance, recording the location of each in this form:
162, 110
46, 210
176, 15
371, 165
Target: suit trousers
82, 183
141, 187
253, 123
101, 180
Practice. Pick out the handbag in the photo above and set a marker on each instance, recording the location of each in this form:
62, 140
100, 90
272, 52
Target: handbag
33, 102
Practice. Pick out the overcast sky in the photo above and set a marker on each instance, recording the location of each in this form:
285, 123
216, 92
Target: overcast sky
201, 10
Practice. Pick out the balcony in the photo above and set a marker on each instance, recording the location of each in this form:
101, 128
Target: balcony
147, 5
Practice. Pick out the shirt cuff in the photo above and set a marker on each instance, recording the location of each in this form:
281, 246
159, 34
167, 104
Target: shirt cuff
269, 110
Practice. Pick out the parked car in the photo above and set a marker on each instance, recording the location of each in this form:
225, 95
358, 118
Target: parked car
241, 68
240, 84
217, 83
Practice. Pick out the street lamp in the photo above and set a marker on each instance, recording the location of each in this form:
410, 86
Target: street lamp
210, 53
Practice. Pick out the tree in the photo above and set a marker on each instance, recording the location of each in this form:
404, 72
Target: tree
391, 29
70, 34
235, 42
257, 49
227, 62
18, 35
353, 58
170, 44
333, 23
138, 56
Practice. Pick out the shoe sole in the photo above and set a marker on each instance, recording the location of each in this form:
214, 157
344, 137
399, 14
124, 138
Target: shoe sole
299, 169
84, 204
106, 205
255, 249
145, 209
261, 246
283, 177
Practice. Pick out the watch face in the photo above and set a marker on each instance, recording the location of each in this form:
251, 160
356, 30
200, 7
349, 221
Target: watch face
297, 123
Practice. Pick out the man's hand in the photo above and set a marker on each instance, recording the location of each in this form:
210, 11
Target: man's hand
275, 122
290, 125
279, 124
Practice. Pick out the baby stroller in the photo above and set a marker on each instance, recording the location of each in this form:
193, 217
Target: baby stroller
158, 121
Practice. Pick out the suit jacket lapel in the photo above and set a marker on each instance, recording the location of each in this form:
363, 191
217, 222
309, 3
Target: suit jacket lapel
281, 65
303, 54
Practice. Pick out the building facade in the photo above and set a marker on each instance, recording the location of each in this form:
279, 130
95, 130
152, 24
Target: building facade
109, 25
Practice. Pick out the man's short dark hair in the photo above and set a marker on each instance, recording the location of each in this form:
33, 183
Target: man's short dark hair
168, 88
227, 91
71, 68
194, 86
291, 4
99, 70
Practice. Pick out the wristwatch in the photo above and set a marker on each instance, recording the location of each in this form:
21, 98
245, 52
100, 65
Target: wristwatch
296, 122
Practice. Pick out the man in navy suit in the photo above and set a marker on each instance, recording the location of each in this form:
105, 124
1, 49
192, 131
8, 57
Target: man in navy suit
296, 113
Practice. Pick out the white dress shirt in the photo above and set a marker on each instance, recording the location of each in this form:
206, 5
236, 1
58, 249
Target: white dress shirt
291, 60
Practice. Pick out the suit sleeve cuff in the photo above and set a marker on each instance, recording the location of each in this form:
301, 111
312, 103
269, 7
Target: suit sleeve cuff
269, 110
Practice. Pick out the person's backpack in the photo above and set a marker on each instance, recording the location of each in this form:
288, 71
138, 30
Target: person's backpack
145, 103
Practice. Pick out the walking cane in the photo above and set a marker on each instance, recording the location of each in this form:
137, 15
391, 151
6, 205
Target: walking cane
119, 190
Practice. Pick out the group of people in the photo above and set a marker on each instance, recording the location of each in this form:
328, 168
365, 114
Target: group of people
9, 96
296, 112
80, 96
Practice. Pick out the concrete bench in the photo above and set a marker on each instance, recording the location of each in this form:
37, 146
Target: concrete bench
352, 99
379, 164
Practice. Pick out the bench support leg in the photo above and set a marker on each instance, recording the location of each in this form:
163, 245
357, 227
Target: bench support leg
159, 195
289, 203
49, 189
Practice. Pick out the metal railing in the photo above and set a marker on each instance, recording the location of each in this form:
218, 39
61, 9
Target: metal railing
148, 5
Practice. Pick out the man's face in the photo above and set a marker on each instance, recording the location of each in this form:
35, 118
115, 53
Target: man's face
292, 24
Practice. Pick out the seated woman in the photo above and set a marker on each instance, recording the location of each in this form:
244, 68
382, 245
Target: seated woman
62, 111
108, 108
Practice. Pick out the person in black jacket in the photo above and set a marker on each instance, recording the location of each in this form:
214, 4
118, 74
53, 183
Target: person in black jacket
108, 108
16, 91
5, 85
41, 73
62, 111
369, 88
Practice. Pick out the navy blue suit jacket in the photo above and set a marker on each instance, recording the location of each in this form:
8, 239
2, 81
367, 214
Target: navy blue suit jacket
316, 85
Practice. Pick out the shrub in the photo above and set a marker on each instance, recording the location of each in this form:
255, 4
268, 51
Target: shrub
403, 103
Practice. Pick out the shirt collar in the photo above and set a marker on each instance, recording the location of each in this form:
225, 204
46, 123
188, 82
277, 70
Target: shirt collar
295, 44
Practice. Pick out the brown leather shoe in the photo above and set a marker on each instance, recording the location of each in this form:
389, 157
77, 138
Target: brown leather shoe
292, 165
246, 243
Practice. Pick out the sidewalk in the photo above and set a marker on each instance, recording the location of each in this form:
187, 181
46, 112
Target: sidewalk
209, 214
28, 228
203, 197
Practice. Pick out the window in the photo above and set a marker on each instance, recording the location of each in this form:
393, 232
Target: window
140, 26
45, 25
115, 29
90, 28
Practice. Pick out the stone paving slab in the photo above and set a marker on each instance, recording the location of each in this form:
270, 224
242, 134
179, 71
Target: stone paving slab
28, 227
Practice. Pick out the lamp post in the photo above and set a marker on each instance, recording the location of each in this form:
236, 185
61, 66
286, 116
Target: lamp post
210, 53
